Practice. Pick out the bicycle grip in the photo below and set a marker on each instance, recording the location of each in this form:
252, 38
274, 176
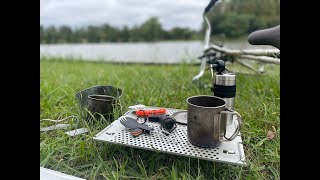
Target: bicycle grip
210, 5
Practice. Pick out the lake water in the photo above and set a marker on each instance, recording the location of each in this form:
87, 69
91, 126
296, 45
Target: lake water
141, 52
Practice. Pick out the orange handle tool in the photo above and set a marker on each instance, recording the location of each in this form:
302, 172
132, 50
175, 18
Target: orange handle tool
149, 112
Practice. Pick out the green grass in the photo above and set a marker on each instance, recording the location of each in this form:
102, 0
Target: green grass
257, 100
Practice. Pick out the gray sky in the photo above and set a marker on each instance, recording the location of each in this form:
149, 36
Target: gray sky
77, 13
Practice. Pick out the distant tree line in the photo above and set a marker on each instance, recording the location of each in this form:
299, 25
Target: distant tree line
233, 18
151, 30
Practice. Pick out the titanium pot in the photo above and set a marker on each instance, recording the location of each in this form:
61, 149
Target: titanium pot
101, 104
99, 99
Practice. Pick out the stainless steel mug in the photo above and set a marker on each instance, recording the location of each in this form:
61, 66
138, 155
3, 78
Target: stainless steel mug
207, 121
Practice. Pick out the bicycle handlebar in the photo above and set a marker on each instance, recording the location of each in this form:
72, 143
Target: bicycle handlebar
209, 6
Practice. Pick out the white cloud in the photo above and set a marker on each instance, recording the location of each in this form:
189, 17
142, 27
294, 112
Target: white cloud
76, 13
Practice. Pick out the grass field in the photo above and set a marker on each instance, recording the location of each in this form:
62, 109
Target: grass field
257, 100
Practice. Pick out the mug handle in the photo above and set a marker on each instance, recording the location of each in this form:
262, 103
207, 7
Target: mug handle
236, 132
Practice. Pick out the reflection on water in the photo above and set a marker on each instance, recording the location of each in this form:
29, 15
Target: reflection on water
158, 52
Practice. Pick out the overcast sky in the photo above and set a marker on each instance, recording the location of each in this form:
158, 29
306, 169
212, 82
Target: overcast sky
76, 13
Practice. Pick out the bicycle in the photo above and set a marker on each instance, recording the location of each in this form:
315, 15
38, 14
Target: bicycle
213, 52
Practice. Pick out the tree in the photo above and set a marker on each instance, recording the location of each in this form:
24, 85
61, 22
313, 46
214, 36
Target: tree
180, 33
51, 35
93, 34
124, 34
109, 33
65, 34
81, 35
235, 25
135, 34
42, 34
151, 30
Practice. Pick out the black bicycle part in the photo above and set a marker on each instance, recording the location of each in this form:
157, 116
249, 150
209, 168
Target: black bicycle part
269, 36
209, 6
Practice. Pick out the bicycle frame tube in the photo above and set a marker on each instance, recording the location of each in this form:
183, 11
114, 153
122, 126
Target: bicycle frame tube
208, 32
206, 42
208, 29
206, 39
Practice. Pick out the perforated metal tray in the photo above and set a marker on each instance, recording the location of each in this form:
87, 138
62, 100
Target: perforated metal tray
230, 152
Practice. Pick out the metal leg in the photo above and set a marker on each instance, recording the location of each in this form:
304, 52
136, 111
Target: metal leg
196, 78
